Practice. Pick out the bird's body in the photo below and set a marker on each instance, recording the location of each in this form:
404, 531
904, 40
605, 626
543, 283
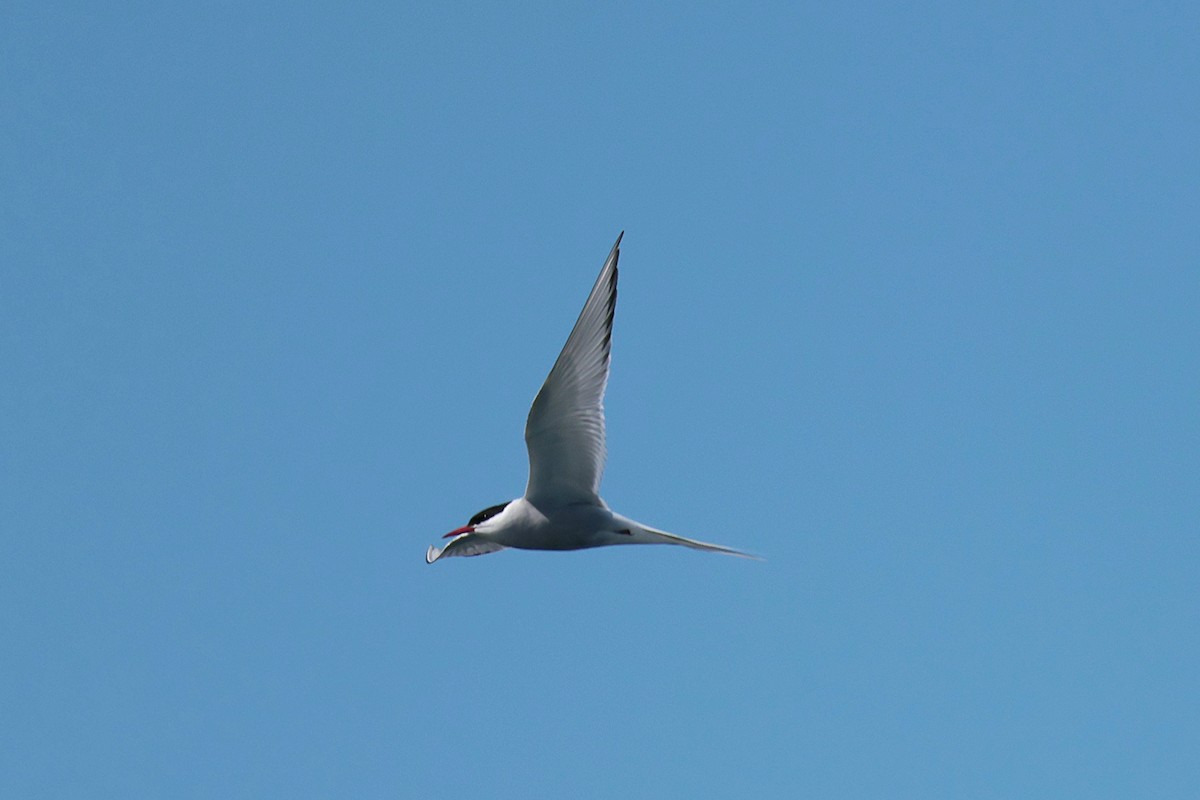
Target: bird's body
575, 527
562, 509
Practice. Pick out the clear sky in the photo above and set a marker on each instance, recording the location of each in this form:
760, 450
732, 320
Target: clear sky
910, 303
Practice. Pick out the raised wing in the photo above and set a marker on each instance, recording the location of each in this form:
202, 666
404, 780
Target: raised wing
465, 544
565, 429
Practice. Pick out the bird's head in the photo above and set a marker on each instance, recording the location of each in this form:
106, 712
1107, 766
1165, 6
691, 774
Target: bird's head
478, 519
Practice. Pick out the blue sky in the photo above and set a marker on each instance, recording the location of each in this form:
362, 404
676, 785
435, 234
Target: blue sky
908, 306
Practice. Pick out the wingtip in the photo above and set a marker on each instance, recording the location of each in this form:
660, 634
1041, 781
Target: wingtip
432, 554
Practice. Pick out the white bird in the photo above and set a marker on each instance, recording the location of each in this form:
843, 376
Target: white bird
562, 509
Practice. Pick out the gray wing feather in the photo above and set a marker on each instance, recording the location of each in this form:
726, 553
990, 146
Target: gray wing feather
565, 429
465, 544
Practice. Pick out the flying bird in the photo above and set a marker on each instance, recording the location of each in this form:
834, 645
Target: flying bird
562, 509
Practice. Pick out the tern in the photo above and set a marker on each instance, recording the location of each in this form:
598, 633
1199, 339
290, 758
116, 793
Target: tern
562, 508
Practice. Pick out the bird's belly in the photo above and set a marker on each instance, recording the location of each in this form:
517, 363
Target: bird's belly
550, 540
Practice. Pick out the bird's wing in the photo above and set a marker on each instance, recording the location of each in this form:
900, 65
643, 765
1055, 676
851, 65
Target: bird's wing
465, 544
565, 429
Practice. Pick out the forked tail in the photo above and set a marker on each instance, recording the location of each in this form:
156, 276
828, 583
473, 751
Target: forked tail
645, 535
